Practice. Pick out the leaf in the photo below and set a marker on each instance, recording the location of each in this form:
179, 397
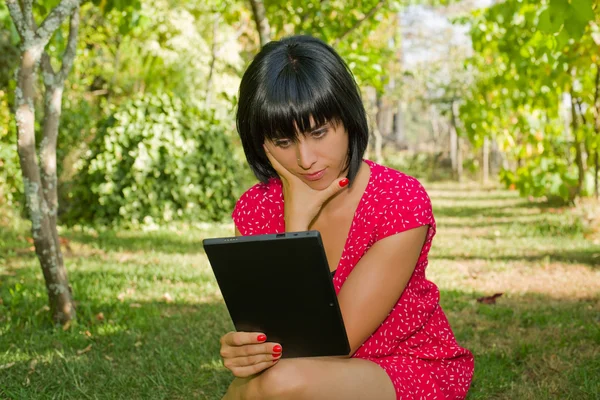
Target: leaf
85, 350
574, 27
583, 9
559, 6
489, 299
7, 366
548, 23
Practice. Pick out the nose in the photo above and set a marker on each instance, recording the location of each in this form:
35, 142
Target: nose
305, 155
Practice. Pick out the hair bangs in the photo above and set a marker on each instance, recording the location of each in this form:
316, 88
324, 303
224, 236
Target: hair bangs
292, 87
295, 103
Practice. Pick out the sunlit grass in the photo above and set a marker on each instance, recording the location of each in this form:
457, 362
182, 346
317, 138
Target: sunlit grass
150, 313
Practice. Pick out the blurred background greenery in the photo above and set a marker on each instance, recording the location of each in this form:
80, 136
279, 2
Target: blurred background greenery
481, 90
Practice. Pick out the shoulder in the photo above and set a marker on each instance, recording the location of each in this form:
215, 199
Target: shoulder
393, 185
402, 201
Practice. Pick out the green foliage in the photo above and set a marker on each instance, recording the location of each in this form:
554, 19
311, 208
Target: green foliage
362, 38
156, 159
421, 165
531, 59
10, 172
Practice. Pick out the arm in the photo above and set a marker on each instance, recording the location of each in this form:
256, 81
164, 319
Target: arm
377, 282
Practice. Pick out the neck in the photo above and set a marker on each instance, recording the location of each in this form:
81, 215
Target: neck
359, 183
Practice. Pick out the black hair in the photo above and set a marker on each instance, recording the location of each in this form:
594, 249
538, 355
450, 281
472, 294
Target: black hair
288, 82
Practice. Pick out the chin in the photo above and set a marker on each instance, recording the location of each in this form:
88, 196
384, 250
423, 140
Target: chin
321, 184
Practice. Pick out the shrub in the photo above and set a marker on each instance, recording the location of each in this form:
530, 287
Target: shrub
155, 159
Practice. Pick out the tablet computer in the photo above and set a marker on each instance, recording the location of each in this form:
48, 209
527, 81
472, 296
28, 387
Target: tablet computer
280, 285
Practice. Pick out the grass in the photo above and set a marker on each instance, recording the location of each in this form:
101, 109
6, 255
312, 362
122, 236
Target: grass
150, 313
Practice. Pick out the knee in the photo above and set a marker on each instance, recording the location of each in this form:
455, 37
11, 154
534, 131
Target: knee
285, 380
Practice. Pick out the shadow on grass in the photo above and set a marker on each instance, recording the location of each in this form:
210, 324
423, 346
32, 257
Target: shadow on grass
467, 212
589, 257
160, 241
158, 350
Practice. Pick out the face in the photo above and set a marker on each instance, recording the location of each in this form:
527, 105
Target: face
317, 157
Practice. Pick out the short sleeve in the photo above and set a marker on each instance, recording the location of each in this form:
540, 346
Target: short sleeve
408, 207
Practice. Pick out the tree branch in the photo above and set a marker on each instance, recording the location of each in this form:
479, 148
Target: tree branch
71, 50
581, 114
597, 100
359, 22
17, 16
28, 14
54, 19
47, 70
262, 23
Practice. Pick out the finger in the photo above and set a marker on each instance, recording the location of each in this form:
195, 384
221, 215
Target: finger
243, 338
249, 350
336, 186
251, 360
244, 372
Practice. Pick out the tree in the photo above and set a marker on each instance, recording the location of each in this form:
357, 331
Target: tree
536, 91
39, 176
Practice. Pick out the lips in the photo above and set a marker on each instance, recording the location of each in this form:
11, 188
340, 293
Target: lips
315, 176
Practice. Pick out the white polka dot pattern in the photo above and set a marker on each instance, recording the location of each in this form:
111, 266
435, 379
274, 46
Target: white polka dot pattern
414, 344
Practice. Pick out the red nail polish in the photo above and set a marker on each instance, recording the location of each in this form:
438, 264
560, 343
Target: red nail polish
277, 348
344, 182
276, 355
261, 338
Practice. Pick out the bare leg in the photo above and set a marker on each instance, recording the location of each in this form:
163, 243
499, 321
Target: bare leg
322, 378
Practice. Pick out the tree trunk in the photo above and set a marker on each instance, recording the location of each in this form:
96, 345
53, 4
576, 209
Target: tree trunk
399, 134
459, 159
486, 160
262, 23
453, 142
214, 53
596, 129
41, 212
578, 149
377, 136
40, 186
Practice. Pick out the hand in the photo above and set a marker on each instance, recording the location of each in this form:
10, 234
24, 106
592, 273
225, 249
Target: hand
247, 353
301, 202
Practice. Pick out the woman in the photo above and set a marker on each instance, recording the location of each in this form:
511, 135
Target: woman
304, 132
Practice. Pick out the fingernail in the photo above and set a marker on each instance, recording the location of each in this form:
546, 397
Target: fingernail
344, 182
276, 355
277, 348
261, 338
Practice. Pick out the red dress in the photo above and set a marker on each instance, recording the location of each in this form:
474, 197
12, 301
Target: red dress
414, 344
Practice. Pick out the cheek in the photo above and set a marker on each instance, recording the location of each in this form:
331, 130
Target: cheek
283, 157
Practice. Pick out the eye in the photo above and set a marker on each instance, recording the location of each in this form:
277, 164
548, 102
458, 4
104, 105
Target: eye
283, 143
318, 134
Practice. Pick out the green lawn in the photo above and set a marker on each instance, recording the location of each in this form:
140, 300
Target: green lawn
150, 314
